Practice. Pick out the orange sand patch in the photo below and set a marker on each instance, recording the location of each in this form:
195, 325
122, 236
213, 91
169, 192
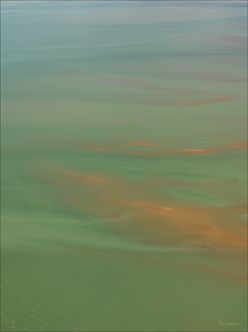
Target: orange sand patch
145, 144
237, 146
68, 176
153, 220
195, 151
156, 150
198, 224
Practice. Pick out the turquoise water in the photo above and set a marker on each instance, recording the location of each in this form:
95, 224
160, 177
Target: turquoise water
123, 166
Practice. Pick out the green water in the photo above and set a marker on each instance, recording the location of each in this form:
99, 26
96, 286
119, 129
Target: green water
123, 166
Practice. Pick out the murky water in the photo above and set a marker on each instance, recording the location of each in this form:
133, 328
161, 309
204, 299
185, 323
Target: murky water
123, 166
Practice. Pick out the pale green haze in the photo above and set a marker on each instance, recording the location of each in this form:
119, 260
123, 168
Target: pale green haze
123, 166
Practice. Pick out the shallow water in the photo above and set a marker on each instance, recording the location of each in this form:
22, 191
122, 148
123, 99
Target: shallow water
123, 171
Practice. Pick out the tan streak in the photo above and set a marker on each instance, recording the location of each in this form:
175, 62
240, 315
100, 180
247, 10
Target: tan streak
123, 149
142, 143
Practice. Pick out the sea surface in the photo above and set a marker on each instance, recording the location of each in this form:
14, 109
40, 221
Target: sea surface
123, 166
